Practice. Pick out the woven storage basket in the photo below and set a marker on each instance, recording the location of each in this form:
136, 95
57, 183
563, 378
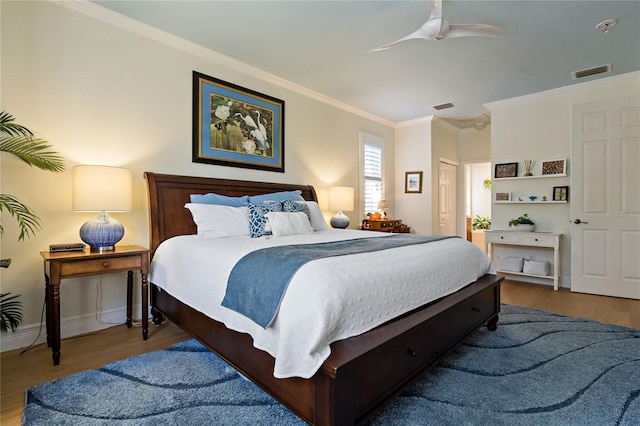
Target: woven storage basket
510, 263
535, 267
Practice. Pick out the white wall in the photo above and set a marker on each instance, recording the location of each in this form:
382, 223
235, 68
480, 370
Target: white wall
102, 94
474, 145
413, 154
538, 127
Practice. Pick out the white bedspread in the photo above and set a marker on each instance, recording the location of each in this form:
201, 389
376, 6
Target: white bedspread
328, 299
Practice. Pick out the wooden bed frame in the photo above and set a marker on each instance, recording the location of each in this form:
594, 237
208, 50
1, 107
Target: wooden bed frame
362, 372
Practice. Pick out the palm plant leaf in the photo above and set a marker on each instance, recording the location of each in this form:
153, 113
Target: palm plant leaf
8, 127
34, 152
10, 312
28, 222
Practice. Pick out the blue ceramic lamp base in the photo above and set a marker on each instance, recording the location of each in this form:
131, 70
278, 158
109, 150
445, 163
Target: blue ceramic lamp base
339, 221
102, 233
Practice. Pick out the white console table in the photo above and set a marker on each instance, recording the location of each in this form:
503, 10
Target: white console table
531, 239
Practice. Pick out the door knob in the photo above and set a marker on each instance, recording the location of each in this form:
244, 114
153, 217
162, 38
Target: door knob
578, 222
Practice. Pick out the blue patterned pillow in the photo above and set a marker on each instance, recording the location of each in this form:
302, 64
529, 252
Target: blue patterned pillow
257, 219
290, 206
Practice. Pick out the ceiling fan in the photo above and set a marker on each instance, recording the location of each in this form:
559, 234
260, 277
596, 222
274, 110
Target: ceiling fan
436, 28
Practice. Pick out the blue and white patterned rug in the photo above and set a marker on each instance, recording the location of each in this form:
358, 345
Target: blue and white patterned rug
538, 368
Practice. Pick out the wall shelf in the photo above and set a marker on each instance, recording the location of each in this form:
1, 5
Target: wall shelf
530, 202
531, 177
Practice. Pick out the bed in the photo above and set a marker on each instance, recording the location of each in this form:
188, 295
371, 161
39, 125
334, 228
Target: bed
362, 372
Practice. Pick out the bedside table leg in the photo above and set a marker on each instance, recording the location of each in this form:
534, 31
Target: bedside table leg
55, 319
145, 306
129, 297
48, 294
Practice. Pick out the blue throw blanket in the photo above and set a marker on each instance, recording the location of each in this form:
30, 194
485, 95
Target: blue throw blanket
258, 281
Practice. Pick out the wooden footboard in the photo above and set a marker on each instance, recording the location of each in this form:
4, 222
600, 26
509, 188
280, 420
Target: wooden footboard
362, 372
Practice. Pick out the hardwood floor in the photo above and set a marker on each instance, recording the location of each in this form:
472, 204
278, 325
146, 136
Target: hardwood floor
20, 372
609, 310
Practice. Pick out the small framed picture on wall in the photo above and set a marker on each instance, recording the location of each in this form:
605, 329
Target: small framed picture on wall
506, 170
554, 167
560, 193
503, 196
413, 182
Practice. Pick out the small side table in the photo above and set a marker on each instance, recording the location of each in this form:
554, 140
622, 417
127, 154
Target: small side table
73, 264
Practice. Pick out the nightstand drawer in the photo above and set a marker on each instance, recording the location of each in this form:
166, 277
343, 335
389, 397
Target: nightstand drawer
536, 240
388, 224
505, 238
384, 225
100, 266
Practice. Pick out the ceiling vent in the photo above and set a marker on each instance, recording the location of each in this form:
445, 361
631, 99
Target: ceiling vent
444, 106
591, 71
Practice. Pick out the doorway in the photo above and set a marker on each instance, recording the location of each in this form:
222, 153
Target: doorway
447, 197
477, 200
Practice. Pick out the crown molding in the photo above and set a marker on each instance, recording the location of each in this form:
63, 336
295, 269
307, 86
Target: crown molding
116, 19
415, 121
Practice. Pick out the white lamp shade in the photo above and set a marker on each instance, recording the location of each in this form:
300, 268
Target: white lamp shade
102, 188
341, 198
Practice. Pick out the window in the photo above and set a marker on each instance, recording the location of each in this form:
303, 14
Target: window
372, 172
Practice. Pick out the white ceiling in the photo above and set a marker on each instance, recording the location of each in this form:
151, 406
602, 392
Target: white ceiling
325, 46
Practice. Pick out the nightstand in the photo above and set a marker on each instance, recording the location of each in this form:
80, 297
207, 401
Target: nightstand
73, 264
385, 225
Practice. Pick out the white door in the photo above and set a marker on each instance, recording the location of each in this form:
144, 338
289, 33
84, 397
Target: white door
447, 198
605, 198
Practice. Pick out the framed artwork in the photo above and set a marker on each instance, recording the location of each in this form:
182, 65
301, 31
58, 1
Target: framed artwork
413, 182
554, 167
560, 193
503, 196
237, 127
506, 170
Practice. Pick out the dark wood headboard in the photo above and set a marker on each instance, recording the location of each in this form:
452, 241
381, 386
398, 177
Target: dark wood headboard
169, 193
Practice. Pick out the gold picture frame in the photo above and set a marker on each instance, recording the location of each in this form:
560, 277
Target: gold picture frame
413, 182
235, 126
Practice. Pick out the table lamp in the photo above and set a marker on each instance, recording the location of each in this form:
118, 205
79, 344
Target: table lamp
101, 189
340, 199
383, 206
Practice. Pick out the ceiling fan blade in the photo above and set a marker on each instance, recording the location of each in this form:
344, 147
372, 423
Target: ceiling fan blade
416, 34
433, 29
435, 6
474, 30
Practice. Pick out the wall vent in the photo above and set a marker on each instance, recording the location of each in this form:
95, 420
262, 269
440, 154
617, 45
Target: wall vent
591, 71
444, 106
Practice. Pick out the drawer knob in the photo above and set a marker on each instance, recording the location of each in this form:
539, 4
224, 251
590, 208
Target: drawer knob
411, 352
106, 264
502, 238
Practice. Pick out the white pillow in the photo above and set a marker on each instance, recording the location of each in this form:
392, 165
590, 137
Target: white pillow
317, 220
285, 223
215, 221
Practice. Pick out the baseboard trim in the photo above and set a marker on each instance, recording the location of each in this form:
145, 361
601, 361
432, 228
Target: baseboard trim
26, 335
